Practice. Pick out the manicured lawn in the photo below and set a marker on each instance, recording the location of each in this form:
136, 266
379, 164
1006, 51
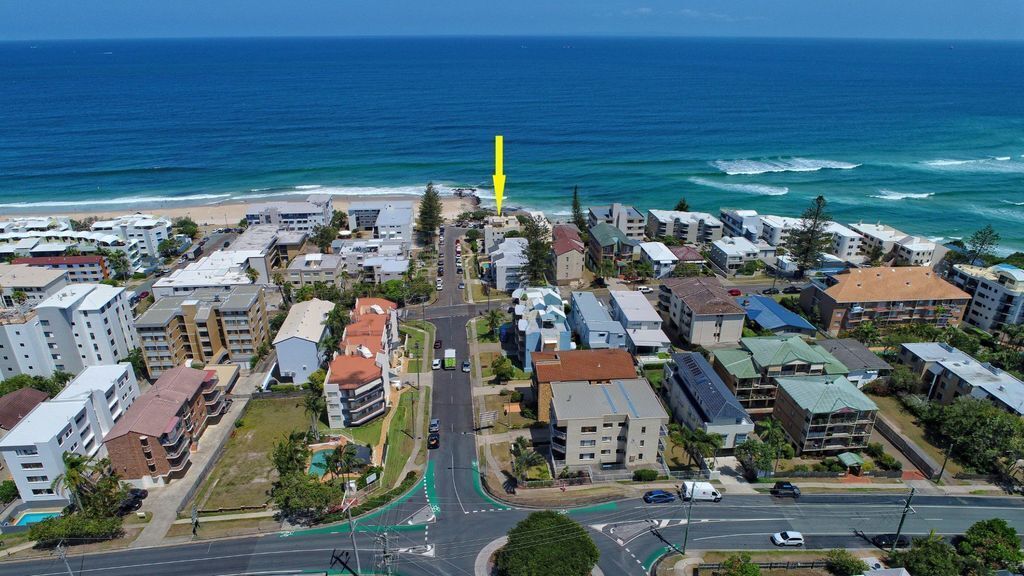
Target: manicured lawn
400, 443
893, 411
498, 403
420, 345
367, 434
225, 528
421, 456
481, 332
243, 476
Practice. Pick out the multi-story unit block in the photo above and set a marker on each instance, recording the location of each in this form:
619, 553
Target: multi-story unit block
221, 270
57, 241
699, 399
642, 322
79, 269
23, 286
948, 374
388, 220
618, 423
898, 247
355, 253
76, 421
592, 323
845, 243
309, 269
540, 323
359, 373
732, 254
610, 247
316, 210
752, 368
824, 414
997, 294
495, 229
209, 326
146, 230
551, 369
884, 296
87, 325
626, 218
151, 445
688, 227
742, 223
663, 262
300, 340
508, 261
701, 312
568, 254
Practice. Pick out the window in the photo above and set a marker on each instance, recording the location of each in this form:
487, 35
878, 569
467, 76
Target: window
587, 456
588, 443
31, 465
643, 430
26, 451
608, 424
606, 438
41, 491
641, 443
588, 429
37, 478
605, 452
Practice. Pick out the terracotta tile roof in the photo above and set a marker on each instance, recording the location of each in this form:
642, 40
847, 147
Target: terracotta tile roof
566, 239
686, 253
16, 405
589, 365
350, 368
363, 305
353, 371
703, 295
892, 284
57, 260
154, 411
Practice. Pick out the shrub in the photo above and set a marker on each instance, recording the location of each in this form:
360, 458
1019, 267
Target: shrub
645, 475
516, 396
875, 450
528, 413
283, 388
138, 276
376, 501
841, 563
8, 491
239, 423
75, 528
889, 462
531, 549
801, 468
504, 392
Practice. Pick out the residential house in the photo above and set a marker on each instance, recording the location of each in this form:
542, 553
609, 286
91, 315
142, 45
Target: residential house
593, 325
752, 368
508, 263
699, 399
689, 256
386, 219
568, 252
152, 444
87, 325
608, 246
824, 414
618, 423
864, 365
146, 230
687, 227
300, 340
884, 296
663, 262
767, 315
540, 324
79, 269
626, 218
701, 311
642, 322
949, 374
591, 366
997, 294
316, 210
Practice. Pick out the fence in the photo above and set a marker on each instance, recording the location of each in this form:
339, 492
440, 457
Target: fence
919, 459
714, 569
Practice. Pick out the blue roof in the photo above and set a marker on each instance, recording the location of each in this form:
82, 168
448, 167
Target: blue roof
706, 391
771, 315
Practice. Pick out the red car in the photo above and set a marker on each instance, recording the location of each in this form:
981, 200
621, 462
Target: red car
735, 292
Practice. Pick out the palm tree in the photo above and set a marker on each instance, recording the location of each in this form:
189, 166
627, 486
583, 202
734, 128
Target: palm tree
77, 479
494, 319
771, 433
252, 274
314, 406
523, 457
704, 443
344, 461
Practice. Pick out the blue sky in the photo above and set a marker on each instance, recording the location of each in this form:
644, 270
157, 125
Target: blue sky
953, 19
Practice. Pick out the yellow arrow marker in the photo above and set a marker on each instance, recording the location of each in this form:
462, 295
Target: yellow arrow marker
499, 176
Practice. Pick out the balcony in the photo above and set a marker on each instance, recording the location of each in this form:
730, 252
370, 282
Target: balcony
356, 419
172, 437
558, 433
180, 465
213, 397
175, 453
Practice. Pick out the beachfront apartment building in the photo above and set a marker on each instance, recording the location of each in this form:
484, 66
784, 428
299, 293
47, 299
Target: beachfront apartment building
495, 229
845, 243
207, 325
300, 340
615, 424
898, 248
610, 248
146, 230
356, 387
57, 241
308, 269
644, 336
751, 368
301, 215
741, 223
79, 269
948, 374
152, 443
824, 414
23, 286
687, 227
884, 296
997, 294
699, 399
385, 219
507, 263
221, 270
540, 323
626, 218
663, 262
551, 369
87, 325
568, 254
593, 325
355, 253
731, 254
35, 224
76, 420
701, 311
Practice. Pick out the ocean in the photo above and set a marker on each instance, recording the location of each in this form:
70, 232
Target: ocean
925, 136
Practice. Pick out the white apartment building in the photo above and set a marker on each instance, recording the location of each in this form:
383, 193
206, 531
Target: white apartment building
846, 243
495, 230
146, 230
507, 263
355, 252
22, 348
76, 420
35, 224
221, 269
24, 286
626, 218
732, 253
303, 216
312, 268
298, 343
745, 223
87, 325
905, 250
55, 242
997, 294
661, 259
641, 321
688, 227
388, 220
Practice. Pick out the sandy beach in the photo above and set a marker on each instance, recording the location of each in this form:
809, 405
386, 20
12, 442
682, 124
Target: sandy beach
230, 212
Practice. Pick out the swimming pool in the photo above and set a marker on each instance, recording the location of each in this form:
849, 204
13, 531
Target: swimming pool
318, 467
33, 517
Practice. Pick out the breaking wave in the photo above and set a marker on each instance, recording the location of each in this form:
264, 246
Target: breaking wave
894, 195
752, 167
759, 189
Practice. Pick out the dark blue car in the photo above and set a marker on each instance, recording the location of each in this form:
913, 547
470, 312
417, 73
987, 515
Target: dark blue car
659, 497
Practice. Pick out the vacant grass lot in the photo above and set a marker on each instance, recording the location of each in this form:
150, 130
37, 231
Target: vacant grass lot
504, 422
243, 476
399, 440
894, 412
367, 434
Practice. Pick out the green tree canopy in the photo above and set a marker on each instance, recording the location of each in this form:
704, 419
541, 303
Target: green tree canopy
339, 220
979, 432
186, 226
739, 564
682, 205
532, 549
928, 556
430, 215
981, 243
840, 562
538, 250
994, 543
578, 217
322, 236
808, 242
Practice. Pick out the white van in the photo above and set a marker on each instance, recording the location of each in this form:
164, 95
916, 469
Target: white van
700, 491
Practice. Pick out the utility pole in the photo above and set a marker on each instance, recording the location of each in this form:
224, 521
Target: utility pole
352, 531
903, 518
945, 459
386, 557
62, 552
689, 511
195, 521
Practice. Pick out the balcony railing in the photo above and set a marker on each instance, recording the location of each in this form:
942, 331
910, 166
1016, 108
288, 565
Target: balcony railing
181, 465
556, 433
172, 438
179, 450
355, 420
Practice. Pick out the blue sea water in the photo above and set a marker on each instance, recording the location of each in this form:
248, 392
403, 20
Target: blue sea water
926, 136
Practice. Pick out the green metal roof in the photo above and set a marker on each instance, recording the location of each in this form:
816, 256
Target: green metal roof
851, 460
782, 350
606, 234
737, 362
825, 394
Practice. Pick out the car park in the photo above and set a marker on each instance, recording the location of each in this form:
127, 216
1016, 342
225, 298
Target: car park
466, 366
735, 292
434, 440
788, 539
783, 489
435, 425
658, 497
791, 290
885, 541
436, 364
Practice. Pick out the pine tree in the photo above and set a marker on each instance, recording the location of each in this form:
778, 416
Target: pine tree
430, 216
981, 243
682, 205
577, 210
810, 240
538, 251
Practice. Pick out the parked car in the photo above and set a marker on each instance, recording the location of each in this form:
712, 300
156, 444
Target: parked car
885, 541
658, 497
128, 505
645, 289
440, 272
462, 285
788, 539
436, 364
434, 440
144, 294
770, 291
735, 292
435, 425
459, 270
466, 366
437, 344
792, 290
783, 489
138, 493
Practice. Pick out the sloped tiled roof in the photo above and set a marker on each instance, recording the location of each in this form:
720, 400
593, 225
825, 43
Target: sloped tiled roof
589, 365
703, 295
892, 284
16, 405
825, 394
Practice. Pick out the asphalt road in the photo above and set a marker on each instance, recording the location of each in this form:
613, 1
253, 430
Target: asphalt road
440, 527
